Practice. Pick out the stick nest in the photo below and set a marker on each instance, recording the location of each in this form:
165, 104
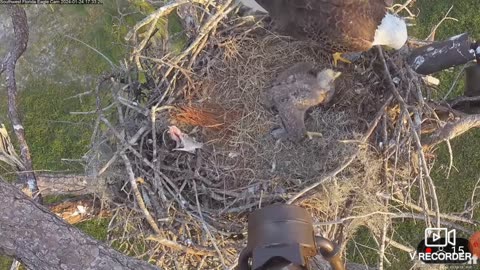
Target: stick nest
181, 210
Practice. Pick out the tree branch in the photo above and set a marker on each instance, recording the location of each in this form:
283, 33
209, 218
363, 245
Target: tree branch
41, 240
20, 28
454, 129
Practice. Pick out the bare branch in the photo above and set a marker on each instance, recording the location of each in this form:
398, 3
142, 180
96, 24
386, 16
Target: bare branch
20, 27
454, 129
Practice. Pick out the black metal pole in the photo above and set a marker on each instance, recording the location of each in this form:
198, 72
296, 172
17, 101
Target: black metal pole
455, 51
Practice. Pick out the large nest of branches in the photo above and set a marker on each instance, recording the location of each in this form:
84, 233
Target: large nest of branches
188, 209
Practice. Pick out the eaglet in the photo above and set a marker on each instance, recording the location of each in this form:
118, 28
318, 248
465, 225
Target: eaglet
295, 91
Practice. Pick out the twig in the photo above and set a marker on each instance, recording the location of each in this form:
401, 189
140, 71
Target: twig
174, 245
452, 87
204, 31
138, 196
404, 6
157, 14
398, 245
450, 160
3, 64
432, 34
454, 129
414, 132
93, 112
323, 179
344, 165
205, 226
393, 216
95, 50
472, 199
420, 209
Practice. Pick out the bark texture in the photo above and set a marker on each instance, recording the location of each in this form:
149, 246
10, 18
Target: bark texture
20, 28
62, 184
42, 241
454, 129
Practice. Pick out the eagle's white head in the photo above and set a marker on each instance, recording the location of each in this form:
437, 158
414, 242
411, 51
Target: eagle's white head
326, 78
392, 32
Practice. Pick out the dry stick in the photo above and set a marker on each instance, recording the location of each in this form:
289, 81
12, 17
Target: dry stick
473, 204
138, 196
344, 165
133, 140
174, 245
177, 195
95, 50
93, 112
214, 243
157, 14
454, 129
393, 216
204, 31
416, 137
153, 116
399, 246
133, 105
452, 87
420, 209
404, 6
432, 34
153, 19
148, 216
385, 184
450, 160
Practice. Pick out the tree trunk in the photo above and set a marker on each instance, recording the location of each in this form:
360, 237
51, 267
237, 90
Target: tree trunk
40, 240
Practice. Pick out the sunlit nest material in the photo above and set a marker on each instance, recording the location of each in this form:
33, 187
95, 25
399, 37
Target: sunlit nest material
185, 210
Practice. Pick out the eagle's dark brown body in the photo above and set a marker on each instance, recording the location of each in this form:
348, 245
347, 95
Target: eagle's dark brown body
338, 25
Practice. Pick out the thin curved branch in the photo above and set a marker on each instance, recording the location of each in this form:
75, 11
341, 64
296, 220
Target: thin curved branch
20, 28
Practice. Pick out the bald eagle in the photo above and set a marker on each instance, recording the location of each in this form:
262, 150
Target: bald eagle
339, 26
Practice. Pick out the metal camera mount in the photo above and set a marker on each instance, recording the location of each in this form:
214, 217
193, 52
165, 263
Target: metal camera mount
282, 237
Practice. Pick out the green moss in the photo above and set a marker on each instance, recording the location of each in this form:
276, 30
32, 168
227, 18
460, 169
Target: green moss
5, 263
52, 133
48, 200
95, 228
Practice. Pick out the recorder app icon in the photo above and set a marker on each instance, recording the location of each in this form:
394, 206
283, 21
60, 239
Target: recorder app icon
439, 237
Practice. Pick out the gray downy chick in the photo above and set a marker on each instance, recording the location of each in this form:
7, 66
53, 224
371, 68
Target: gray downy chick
295, 91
